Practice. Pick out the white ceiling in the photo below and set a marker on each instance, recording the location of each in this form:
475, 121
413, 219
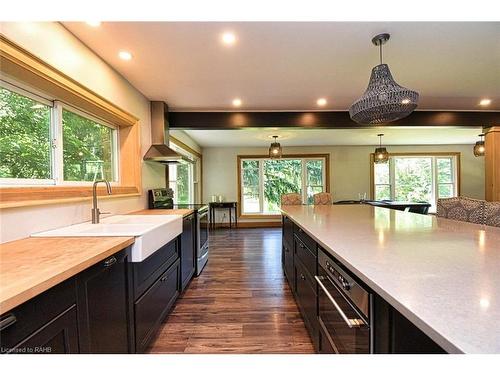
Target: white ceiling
287, 65
262, 137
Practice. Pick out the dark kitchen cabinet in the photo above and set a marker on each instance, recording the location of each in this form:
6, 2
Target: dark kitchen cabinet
45, 324
287, 230
153, 306
59, 336
288, 265
307, 300
188, 250
104, 306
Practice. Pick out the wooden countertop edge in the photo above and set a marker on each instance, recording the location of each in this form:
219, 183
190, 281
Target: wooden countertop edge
13, 301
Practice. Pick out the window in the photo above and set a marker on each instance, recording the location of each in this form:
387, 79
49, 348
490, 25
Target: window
49, 142
181, 182
417, 178
264, 181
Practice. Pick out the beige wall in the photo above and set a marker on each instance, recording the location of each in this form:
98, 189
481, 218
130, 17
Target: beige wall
54, 44
349, 168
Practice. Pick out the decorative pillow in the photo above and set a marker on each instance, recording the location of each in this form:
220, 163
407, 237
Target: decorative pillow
492, 214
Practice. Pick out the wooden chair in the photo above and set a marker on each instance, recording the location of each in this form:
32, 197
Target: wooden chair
291, 199
462, 209
322, 198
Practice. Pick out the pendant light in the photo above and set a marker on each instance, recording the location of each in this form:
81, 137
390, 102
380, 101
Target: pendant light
479, 148
381, 155
275, 150
384, 100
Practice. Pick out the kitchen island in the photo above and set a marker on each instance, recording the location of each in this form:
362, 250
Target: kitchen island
441, 275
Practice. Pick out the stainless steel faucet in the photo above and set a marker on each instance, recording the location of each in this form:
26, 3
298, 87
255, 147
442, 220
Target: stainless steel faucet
95, 211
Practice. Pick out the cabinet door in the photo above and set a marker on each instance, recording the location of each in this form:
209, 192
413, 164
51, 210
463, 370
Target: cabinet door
154, 305
287, 230
188, 250
103, 306
59, 336
307, 300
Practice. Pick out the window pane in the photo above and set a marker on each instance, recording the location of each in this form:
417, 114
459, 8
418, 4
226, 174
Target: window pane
183, 183
381, 172
445, 190
314, 171
382, 192
250, 186
280, 177
445, 170
87, 149
24, 137
413, 179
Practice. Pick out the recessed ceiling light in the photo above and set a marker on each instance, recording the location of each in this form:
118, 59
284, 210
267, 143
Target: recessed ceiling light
94, 23
485, 102
321, 102
125, 55
228, 38
237, 102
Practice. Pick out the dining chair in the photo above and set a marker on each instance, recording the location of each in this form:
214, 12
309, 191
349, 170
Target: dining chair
462, 209
492, 214
291, 199
322, 198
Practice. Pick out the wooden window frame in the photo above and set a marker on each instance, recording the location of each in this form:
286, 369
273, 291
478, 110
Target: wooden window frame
287, 156
22, 66
456, 155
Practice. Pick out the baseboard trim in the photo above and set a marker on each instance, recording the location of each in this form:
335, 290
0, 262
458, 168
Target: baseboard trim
252, 224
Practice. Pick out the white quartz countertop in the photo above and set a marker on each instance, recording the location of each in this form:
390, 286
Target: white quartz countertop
443, 275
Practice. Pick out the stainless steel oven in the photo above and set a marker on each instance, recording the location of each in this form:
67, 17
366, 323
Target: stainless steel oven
202, 238
344, 310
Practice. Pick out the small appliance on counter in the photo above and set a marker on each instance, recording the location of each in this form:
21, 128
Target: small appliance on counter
163, 199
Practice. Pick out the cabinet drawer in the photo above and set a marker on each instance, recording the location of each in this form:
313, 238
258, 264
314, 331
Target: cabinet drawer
307, 300
306, 240
153, 306
147, 271
308, 258
25, 319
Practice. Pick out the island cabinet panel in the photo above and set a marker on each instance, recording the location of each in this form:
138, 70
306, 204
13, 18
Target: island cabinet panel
288, 267
103, 306
44, 324
154, 305
188, 250
307, 300
287, 230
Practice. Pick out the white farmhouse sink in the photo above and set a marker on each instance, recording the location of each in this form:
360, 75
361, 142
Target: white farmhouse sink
151, 232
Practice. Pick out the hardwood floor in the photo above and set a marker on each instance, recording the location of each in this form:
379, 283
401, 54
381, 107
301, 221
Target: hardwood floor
240, 303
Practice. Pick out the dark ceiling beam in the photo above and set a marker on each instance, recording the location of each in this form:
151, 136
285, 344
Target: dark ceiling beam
322, 120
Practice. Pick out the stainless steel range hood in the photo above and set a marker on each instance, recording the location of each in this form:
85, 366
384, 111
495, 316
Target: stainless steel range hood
159, 150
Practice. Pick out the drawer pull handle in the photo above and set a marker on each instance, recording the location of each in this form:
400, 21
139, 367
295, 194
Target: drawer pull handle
7, 321
301, 245
164, 278
110, 262
287, 250
302, 276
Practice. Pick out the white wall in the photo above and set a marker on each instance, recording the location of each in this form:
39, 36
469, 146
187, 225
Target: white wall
349, 168
52, 43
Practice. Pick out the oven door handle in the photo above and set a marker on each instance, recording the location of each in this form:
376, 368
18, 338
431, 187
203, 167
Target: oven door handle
351, 323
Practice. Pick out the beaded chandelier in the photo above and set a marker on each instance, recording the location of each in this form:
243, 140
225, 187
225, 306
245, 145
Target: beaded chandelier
384, 100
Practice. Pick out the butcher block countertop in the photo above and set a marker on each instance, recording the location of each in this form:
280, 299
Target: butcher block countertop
180, 211
443, 275
30, 266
